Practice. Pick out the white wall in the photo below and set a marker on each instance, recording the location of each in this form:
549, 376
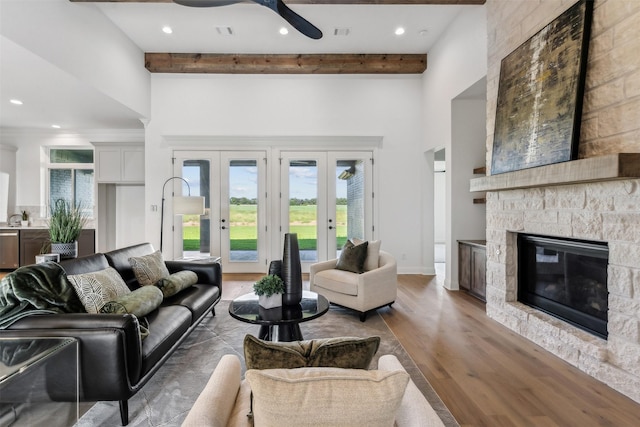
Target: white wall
467, 221
304, 106
456, 62
66, 34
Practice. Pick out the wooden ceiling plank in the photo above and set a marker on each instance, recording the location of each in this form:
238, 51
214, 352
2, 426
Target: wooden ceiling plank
286, 64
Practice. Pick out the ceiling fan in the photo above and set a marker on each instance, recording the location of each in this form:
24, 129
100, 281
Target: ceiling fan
297, 21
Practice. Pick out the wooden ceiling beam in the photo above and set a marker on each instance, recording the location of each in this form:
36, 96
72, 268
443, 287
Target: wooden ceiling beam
333, 2
286, 64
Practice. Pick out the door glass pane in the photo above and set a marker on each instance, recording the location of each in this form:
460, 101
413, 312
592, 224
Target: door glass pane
303, 210
83, 189
195, 228
243, 210
350, 201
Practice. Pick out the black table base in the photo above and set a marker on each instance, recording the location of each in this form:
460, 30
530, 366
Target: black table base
285, 333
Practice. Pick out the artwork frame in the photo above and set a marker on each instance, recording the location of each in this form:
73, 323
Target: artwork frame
540, 94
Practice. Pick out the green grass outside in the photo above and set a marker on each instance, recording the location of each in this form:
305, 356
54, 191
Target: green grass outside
244, 237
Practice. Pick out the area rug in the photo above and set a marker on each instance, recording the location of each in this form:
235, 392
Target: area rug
166, 399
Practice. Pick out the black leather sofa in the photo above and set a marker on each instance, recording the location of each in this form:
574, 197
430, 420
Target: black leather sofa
115, 363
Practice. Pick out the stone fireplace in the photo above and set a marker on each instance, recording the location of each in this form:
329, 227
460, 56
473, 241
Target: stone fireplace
606, 210
566, 278
574, 202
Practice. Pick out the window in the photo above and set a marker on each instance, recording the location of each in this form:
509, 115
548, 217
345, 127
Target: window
71, 177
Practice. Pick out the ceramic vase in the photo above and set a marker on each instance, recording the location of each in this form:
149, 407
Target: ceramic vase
66, 250
291, 270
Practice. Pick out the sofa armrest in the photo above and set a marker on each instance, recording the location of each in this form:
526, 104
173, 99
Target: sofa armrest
415, 410
110, 348
215, 404
380, 286
209, 273
321, 266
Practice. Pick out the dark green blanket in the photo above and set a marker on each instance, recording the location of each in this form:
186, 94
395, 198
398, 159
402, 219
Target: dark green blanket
36, 289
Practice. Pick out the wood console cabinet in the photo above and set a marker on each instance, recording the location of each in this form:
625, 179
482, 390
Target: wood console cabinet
472, 267
32, 242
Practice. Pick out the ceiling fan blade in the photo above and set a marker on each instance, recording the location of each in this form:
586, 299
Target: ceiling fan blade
206, 3
297, 21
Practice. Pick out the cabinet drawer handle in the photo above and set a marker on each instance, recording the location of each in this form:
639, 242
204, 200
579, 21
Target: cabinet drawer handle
9, 234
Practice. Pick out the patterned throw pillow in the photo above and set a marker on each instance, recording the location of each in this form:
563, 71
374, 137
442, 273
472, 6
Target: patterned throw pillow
97, 288
149, 269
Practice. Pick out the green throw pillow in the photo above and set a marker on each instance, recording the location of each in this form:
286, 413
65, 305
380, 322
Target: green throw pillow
342, 352
352, 257
176, 282
140, 302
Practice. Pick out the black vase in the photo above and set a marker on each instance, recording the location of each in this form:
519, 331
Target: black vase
291, 270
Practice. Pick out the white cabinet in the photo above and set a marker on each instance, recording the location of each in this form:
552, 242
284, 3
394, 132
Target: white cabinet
120, 163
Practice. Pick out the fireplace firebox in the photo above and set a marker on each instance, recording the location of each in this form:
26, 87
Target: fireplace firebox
565, 278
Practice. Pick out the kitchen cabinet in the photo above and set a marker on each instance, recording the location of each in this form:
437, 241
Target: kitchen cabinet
472, 267
119, 164
33, 241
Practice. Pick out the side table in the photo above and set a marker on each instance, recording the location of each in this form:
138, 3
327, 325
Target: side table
39, 376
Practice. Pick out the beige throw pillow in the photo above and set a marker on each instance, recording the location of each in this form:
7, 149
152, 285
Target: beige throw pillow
149, 269
326, 396
373, 253
97, 288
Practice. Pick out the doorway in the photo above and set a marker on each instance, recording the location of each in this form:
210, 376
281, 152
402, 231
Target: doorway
326, 198
233, 227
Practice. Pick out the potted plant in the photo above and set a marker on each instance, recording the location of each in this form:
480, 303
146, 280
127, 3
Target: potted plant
65, 224
25, 219
269, 290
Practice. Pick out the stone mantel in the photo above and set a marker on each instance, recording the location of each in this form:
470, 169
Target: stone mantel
602, 168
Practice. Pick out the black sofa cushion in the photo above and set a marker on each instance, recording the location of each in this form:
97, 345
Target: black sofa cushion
167, 325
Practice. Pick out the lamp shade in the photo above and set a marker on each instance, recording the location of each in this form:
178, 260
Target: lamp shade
188, 205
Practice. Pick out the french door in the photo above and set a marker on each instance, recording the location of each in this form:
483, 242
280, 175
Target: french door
233, 227
325, 198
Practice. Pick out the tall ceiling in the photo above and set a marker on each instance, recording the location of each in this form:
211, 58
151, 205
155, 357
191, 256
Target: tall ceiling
55, 97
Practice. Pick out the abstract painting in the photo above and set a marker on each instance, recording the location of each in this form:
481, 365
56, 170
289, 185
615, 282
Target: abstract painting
540, 93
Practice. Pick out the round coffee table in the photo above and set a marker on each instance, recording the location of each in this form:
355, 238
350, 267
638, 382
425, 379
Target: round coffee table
279, 323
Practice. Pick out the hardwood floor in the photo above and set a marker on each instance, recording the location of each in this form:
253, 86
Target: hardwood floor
489, 376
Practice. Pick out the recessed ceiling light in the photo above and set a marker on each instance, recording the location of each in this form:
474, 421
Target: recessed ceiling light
167, 29
55, 126
399, 31
284, 31
15, 102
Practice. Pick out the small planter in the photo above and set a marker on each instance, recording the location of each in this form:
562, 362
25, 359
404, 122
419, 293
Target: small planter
24, 223
272, 301
66, 250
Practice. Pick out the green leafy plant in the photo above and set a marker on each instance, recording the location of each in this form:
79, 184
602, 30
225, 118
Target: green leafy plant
25, 216
66, 222
269, 285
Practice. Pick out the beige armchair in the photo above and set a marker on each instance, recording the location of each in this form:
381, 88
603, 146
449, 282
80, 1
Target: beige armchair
362, 292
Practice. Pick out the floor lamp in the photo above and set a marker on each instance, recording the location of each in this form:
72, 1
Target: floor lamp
182, 205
